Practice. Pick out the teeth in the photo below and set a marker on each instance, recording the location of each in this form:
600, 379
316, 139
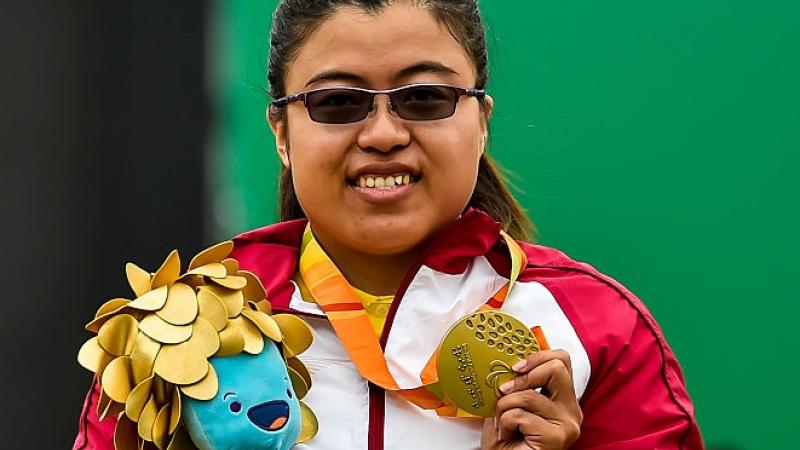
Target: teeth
384, 182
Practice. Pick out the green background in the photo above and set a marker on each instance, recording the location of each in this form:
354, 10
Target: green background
656, 140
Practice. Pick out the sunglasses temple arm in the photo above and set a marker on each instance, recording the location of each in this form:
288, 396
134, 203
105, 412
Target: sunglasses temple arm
283, 101
479, 93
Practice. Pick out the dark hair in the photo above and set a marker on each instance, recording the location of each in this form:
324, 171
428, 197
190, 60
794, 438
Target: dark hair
295, 20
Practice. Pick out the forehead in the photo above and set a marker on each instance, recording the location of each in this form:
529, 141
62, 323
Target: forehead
376, 47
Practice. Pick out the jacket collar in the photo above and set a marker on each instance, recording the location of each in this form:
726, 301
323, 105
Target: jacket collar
272, 252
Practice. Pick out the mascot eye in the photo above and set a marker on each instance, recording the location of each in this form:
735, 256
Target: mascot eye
236, 407
289, 393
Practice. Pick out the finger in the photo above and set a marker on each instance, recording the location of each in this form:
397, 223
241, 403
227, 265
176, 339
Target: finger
536, 432
515, 422
551, 376
538, 358
531, 401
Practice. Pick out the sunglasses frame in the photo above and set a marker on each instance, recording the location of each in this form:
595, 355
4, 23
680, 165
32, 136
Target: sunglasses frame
283, 102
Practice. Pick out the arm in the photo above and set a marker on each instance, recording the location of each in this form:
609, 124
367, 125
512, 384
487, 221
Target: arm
639, 399
636, 397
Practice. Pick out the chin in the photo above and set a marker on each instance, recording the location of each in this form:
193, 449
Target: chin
383, 239
411, 235
386, 245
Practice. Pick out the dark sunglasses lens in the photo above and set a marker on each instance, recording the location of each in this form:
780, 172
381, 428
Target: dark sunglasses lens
338, 105
425, 102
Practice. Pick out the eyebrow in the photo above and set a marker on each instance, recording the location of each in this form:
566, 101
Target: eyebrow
421, 67
227, 394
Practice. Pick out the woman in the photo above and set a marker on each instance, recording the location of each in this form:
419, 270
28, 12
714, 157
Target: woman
381, 123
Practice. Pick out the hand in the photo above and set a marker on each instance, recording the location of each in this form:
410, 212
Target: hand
526, 419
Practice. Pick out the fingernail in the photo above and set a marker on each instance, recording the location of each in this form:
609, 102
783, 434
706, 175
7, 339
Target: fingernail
519, 365
505, 387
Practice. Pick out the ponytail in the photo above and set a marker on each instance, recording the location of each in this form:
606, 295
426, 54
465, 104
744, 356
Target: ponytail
492, 196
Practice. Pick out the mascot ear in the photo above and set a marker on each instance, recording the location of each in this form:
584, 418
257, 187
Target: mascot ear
310, 425
296, 333
300, 377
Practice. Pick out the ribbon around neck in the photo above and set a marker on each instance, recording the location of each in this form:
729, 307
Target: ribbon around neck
337, 298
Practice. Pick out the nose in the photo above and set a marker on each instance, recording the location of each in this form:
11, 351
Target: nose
383, 130
269, 416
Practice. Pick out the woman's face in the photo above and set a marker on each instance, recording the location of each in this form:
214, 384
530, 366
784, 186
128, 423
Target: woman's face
401, 45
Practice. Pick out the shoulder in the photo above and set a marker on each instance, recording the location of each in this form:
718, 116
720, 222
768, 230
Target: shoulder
610, 320
599, 307
271, 253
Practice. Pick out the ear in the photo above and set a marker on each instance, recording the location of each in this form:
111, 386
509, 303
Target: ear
277, 123
486, 109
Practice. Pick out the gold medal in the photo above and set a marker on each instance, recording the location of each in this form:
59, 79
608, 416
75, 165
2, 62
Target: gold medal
476, 356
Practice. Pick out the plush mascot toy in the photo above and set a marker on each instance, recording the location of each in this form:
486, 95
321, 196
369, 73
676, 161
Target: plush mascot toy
196, 361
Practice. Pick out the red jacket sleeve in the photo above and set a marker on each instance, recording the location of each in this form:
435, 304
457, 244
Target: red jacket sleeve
636, 397
94, 434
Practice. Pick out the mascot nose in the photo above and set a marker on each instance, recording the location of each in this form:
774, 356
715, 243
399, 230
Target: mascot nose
269, 416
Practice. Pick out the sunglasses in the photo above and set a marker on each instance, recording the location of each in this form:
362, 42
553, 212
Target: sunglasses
340, 105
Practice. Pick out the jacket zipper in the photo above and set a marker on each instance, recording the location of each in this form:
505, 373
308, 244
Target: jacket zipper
377, 405
377, 395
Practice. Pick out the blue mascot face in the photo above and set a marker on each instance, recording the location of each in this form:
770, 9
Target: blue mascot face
255, 406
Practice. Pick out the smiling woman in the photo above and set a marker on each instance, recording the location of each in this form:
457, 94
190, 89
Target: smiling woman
385, 225
388, 198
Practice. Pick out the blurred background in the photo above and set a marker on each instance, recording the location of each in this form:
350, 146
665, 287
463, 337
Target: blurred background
656, 140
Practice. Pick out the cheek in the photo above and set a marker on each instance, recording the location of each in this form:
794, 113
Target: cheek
452, 161
460, 178
317, 160
453, 156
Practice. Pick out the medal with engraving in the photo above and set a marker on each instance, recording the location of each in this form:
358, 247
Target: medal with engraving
476, 356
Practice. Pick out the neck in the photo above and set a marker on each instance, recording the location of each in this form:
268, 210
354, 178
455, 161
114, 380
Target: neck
374, 274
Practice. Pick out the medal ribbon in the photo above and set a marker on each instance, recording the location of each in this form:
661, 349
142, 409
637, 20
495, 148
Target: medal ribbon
337, 298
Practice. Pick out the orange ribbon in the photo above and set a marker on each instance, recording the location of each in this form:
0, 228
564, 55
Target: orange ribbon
337, 298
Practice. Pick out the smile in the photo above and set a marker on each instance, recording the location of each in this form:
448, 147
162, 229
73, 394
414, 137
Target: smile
269, 416
384, 182
384, 189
